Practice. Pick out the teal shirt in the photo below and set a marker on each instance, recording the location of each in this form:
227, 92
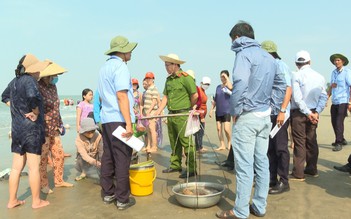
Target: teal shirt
178, 89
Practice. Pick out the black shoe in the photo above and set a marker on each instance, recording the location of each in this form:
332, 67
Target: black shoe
222, 164
108, 199
185, 175
310, 173
254, 212
123, 206
272, 184
344, 142
346, 168
170, 170
226, 163
337, 147
279, 188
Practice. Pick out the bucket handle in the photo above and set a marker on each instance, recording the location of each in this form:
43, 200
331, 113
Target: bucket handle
144, 185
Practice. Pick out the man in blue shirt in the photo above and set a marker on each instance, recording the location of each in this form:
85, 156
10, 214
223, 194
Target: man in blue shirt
308, 101
116, 94
339, 90
255, 75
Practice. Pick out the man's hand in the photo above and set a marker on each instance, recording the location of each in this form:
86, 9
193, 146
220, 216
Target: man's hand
313, 117
280, 119
129, 132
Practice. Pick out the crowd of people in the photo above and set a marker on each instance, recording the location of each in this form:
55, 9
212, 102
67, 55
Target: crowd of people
262, 94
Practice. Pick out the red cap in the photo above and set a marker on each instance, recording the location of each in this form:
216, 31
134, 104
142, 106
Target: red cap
135, 81
150, 75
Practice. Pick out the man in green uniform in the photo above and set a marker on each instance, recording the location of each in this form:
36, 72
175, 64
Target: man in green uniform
180, 95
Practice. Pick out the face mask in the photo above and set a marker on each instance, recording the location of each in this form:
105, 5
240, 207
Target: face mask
205, 86
54, 80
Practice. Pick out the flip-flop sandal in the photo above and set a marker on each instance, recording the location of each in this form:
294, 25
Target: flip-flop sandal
80, 177
226, 214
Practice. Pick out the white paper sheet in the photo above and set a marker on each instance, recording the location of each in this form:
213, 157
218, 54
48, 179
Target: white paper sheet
133, 142
276, 128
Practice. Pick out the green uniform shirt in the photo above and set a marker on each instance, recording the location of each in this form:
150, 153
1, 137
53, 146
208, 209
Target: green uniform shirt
178, 89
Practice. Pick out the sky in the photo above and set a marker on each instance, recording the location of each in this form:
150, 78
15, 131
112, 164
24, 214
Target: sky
76, 34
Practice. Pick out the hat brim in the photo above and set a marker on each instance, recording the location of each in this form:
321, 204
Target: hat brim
52, 69
168, 59
340, 56
81, 131
128, 48
38, 67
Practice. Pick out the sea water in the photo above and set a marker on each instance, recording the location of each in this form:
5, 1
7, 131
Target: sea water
68, 115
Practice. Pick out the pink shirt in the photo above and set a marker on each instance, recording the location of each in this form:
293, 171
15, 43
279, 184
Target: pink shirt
86, 109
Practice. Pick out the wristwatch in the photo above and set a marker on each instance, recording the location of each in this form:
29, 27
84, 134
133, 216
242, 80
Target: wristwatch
283, 110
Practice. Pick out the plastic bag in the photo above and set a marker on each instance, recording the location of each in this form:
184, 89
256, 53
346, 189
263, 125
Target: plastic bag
193, 124
139, 128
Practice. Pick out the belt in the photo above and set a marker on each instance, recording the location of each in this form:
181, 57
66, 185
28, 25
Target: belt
297, 110
178, 111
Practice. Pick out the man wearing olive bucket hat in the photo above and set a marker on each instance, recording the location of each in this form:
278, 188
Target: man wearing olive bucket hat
339, 90
180, 95
116, 94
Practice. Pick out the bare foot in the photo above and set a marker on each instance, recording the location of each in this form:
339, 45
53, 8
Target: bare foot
64, 184
16, 203
42, 203
220, 149
202, 150
152, 150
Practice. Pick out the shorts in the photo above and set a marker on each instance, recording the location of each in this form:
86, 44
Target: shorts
224, 118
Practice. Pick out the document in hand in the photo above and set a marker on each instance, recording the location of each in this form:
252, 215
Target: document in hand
277, 128
133, 142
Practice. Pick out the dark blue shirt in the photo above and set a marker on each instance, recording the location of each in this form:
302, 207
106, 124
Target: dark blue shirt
24, 96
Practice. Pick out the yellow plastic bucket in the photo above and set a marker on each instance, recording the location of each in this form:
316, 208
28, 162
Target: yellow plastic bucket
141, 177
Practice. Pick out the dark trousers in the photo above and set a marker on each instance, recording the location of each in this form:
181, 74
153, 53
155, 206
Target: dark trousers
199, 136
338, 113
115, 164
305, 144
278, 153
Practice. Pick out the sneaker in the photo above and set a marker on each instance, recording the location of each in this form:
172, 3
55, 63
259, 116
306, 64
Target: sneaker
337, 147
108, 199
123, 206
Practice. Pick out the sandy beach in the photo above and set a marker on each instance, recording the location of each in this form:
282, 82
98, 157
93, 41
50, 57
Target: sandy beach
327, 196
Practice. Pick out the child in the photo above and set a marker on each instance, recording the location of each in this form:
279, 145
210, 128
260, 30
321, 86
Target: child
90, 148
84, 107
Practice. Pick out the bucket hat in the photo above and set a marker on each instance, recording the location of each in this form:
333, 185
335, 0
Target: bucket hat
172, 58
52, 69
120, 44
340, 56
87, 125
32, 64
270, 47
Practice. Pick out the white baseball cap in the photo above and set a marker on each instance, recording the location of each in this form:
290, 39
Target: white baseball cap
206, 80
302, 57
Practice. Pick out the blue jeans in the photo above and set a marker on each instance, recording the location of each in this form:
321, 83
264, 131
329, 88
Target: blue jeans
250, 143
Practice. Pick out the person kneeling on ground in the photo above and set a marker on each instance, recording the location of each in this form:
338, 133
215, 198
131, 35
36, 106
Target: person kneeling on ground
90, 148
